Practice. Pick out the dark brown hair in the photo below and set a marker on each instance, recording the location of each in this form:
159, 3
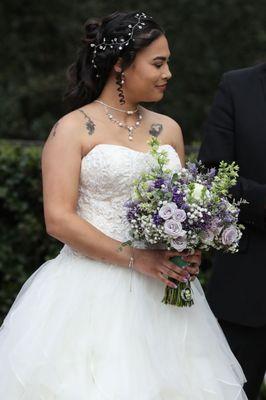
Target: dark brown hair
84, 87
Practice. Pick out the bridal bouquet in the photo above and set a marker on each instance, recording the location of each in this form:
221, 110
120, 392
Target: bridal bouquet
184, 210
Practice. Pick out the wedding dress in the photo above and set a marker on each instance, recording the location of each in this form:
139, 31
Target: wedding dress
82, 329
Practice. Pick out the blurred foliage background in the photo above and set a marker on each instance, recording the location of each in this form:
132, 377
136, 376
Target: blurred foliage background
40, 39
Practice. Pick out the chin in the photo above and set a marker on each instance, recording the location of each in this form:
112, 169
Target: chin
152, 99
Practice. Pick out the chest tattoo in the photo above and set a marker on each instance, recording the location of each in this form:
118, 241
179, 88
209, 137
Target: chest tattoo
155, 129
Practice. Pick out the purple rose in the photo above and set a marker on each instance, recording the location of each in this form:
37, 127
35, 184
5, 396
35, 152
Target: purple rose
179, 243
179, 215
230, 235
173, 228
167, 210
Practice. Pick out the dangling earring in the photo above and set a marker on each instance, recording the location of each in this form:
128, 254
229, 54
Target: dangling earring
120, 80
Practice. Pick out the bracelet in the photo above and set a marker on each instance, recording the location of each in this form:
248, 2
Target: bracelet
131, 266
131, 262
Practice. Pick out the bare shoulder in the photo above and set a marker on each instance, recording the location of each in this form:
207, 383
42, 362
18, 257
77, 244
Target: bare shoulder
73, 124
64, 127
71, 131
164, 126
166, 129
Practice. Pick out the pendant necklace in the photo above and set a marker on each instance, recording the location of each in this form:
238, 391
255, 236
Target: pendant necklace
129, 128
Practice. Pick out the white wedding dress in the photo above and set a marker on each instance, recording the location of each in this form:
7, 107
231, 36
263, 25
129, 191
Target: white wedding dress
81, 330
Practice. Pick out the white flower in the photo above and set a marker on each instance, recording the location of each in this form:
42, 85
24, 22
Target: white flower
197, 191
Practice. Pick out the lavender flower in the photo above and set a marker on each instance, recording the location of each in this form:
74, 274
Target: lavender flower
179, 215
173, 228
167, 210
179, 243
215, 226
157, 219
230, 235
158, 183
178, 197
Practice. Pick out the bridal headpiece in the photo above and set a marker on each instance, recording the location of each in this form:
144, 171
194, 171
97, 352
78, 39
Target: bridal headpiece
122, 42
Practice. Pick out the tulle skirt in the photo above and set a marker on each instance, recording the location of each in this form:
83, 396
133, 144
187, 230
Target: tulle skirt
82, 330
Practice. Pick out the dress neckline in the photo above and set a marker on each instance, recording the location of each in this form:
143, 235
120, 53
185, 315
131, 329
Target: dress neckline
124, 147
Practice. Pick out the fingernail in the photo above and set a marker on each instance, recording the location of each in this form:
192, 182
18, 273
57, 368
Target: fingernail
174, 286
184, 279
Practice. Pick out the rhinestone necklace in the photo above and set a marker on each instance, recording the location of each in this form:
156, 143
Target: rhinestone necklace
129, 128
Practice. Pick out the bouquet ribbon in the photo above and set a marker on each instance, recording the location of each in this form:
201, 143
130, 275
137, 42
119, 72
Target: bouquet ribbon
182, 295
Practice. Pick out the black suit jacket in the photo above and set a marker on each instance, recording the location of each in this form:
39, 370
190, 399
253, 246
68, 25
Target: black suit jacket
236, 131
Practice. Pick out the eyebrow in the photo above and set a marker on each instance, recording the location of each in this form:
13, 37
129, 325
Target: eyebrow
161, 58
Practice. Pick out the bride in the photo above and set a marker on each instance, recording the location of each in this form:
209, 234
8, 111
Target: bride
90, 324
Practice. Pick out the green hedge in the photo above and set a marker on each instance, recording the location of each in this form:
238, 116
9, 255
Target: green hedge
24, 244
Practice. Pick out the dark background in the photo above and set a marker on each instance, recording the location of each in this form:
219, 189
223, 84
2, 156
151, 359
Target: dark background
40, 39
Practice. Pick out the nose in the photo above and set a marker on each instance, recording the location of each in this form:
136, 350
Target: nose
167, 73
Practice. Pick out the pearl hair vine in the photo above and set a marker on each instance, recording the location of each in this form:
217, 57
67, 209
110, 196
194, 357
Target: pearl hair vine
121, 43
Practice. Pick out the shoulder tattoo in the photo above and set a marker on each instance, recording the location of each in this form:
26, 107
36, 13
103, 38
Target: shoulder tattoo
54, 128
155, 130
90, 125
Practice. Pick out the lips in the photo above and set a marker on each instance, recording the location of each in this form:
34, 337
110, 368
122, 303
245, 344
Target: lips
161, 87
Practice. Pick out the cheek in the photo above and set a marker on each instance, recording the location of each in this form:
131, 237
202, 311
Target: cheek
144, 79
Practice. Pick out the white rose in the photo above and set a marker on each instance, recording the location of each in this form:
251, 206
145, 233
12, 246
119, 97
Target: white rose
197, 191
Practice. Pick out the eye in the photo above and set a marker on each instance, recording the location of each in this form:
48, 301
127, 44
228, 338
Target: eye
158, 65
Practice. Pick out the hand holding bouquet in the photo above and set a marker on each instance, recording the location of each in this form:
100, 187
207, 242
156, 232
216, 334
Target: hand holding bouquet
186, 209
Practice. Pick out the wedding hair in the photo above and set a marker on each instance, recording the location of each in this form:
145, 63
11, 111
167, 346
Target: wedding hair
85, 82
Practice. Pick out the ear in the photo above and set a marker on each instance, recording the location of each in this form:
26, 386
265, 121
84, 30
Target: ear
118, 65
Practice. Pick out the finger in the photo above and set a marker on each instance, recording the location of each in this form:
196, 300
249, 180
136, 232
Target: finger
193, 269
197, 252
172, 274
172, 253
174, 267
192, 259
166, 281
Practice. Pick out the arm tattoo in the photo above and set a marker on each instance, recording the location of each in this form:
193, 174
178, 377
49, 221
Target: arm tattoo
156, 129
54, 128
90, 125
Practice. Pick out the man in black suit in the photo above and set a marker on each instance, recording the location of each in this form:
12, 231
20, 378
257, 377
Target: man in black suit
235, 130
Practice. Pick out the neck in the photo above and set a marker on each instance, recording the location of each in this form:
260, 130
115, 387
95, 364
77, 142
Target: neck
110, 96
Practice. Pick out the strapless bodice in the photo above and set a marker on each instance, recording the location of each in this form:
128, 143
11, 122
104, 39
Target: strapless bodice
106, 178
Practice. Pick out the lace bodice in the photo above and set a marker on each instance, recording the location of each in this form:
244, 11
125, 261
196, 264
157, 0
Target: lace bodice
106, 177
